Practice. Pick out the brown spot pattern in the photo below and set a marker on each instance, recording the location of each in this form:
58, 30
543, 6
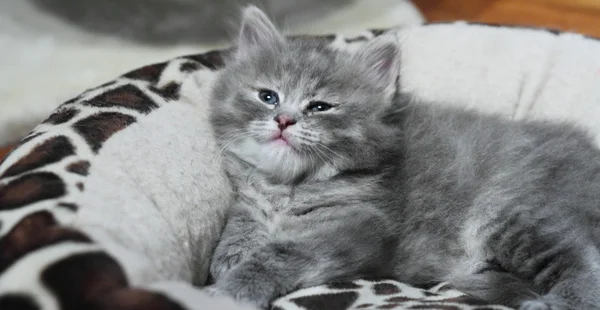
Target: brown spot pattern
189, 66
378, 32
80, 186
2, 160
150, 73
96, 129
17, 302
30, 188
389, 306
61, 116
80, 279
72, 100
70, 206
126, 96
385, 289
399, 299
169, 91
23, 141
343, 285
435, 307
81, 167
35, 231
212, 60
364, 306
334, 301
109, 83
356, 39
45, 153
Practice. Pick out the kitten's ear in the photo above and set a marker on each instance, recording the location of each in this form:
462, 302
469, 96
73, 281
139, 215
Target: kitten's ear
257, 30
381, 56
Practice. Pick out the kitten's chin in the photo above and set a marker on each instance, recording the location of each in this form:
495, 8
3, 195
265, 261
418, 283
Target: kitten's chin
276, 159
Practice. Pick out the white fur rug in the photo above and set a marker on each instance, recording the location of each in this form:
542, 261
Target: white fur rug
45, 62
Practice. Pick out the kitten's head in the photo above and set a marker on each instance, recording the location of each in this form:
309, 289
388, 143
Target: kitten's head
298, 107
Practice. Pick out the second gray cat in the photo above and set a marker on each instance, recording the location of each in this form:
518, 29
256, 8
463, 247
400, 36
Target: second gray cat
178, 21
340, 177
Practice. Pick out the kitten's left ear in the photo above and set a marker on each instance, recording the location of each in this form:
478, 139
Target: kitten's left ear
257, 30
381, 56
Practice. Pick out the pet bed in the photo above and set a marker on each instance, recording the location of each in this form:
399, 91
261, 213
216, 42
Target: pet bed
116, 200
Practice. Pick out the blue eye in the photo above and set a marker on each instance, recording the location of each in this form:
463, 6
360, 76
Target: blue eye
268, 97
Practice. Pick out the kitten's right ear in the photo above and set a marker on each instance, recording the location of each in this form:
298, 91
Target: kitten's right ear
257, 30
381, 57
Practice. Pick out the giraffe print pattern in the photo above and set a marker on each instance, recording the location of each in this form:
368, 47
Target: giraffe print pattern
382, 294
45, 264
38, 179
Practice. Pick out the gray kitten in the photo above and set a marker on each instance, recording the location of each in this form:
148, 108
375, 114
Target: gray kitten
340, 177
177, 21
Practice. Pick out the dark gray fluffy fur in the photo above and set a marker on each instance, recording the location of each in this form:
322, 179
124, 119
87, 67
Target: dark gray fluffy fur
382, 186
177, 21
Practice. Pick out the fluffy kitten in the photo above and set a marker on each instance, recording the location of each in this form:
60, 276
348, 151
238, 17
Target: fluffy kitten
340, 177
177, 21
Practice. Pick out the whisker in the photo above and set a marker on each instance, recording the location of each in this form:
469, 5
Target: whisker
325, 154
317, 152
330, 150
228, 139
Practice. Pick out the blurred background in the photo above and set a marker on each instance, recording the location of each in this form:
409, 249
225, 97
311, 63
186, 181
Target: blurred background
54, 49
582, 16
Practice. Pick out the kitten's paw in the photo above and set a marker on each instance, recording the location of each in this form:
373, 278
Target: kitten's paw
244, 293
535, 305
213, 290
217, 292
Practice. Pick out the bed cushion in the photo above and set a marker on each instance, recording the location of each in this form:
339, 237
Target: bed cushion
116, 200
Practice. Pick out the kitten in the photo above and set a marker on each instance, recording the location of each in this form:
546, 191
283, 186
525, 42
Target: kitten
340, 177
177, 21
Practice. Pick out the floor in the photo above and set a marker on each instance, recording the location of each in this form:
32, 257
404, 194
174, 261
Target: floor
4, 151
581, 16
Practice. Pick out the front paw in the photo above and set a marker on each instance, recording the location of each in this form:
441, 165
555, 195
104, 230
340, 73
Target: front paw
250, 293
218, 292
214, 291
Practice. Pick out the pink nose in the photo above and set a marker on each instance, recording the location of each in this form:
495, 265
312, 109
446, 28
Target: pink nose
284, 121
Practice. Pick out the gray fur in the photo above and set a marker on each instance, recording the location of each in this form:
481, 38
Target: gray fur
177, 21
381, 186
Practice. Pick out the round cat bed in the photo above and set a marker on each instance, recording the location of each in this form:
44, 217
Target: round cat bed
116, 200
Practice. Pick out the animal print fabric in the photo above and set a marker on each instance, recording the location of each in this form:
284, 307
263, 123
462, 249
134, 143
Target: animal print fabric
46, 264
363, 294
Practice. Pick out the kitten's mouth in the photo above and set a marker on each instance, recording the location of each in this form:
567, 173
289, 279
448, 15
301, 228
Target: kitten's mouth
279, 139
281, 142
